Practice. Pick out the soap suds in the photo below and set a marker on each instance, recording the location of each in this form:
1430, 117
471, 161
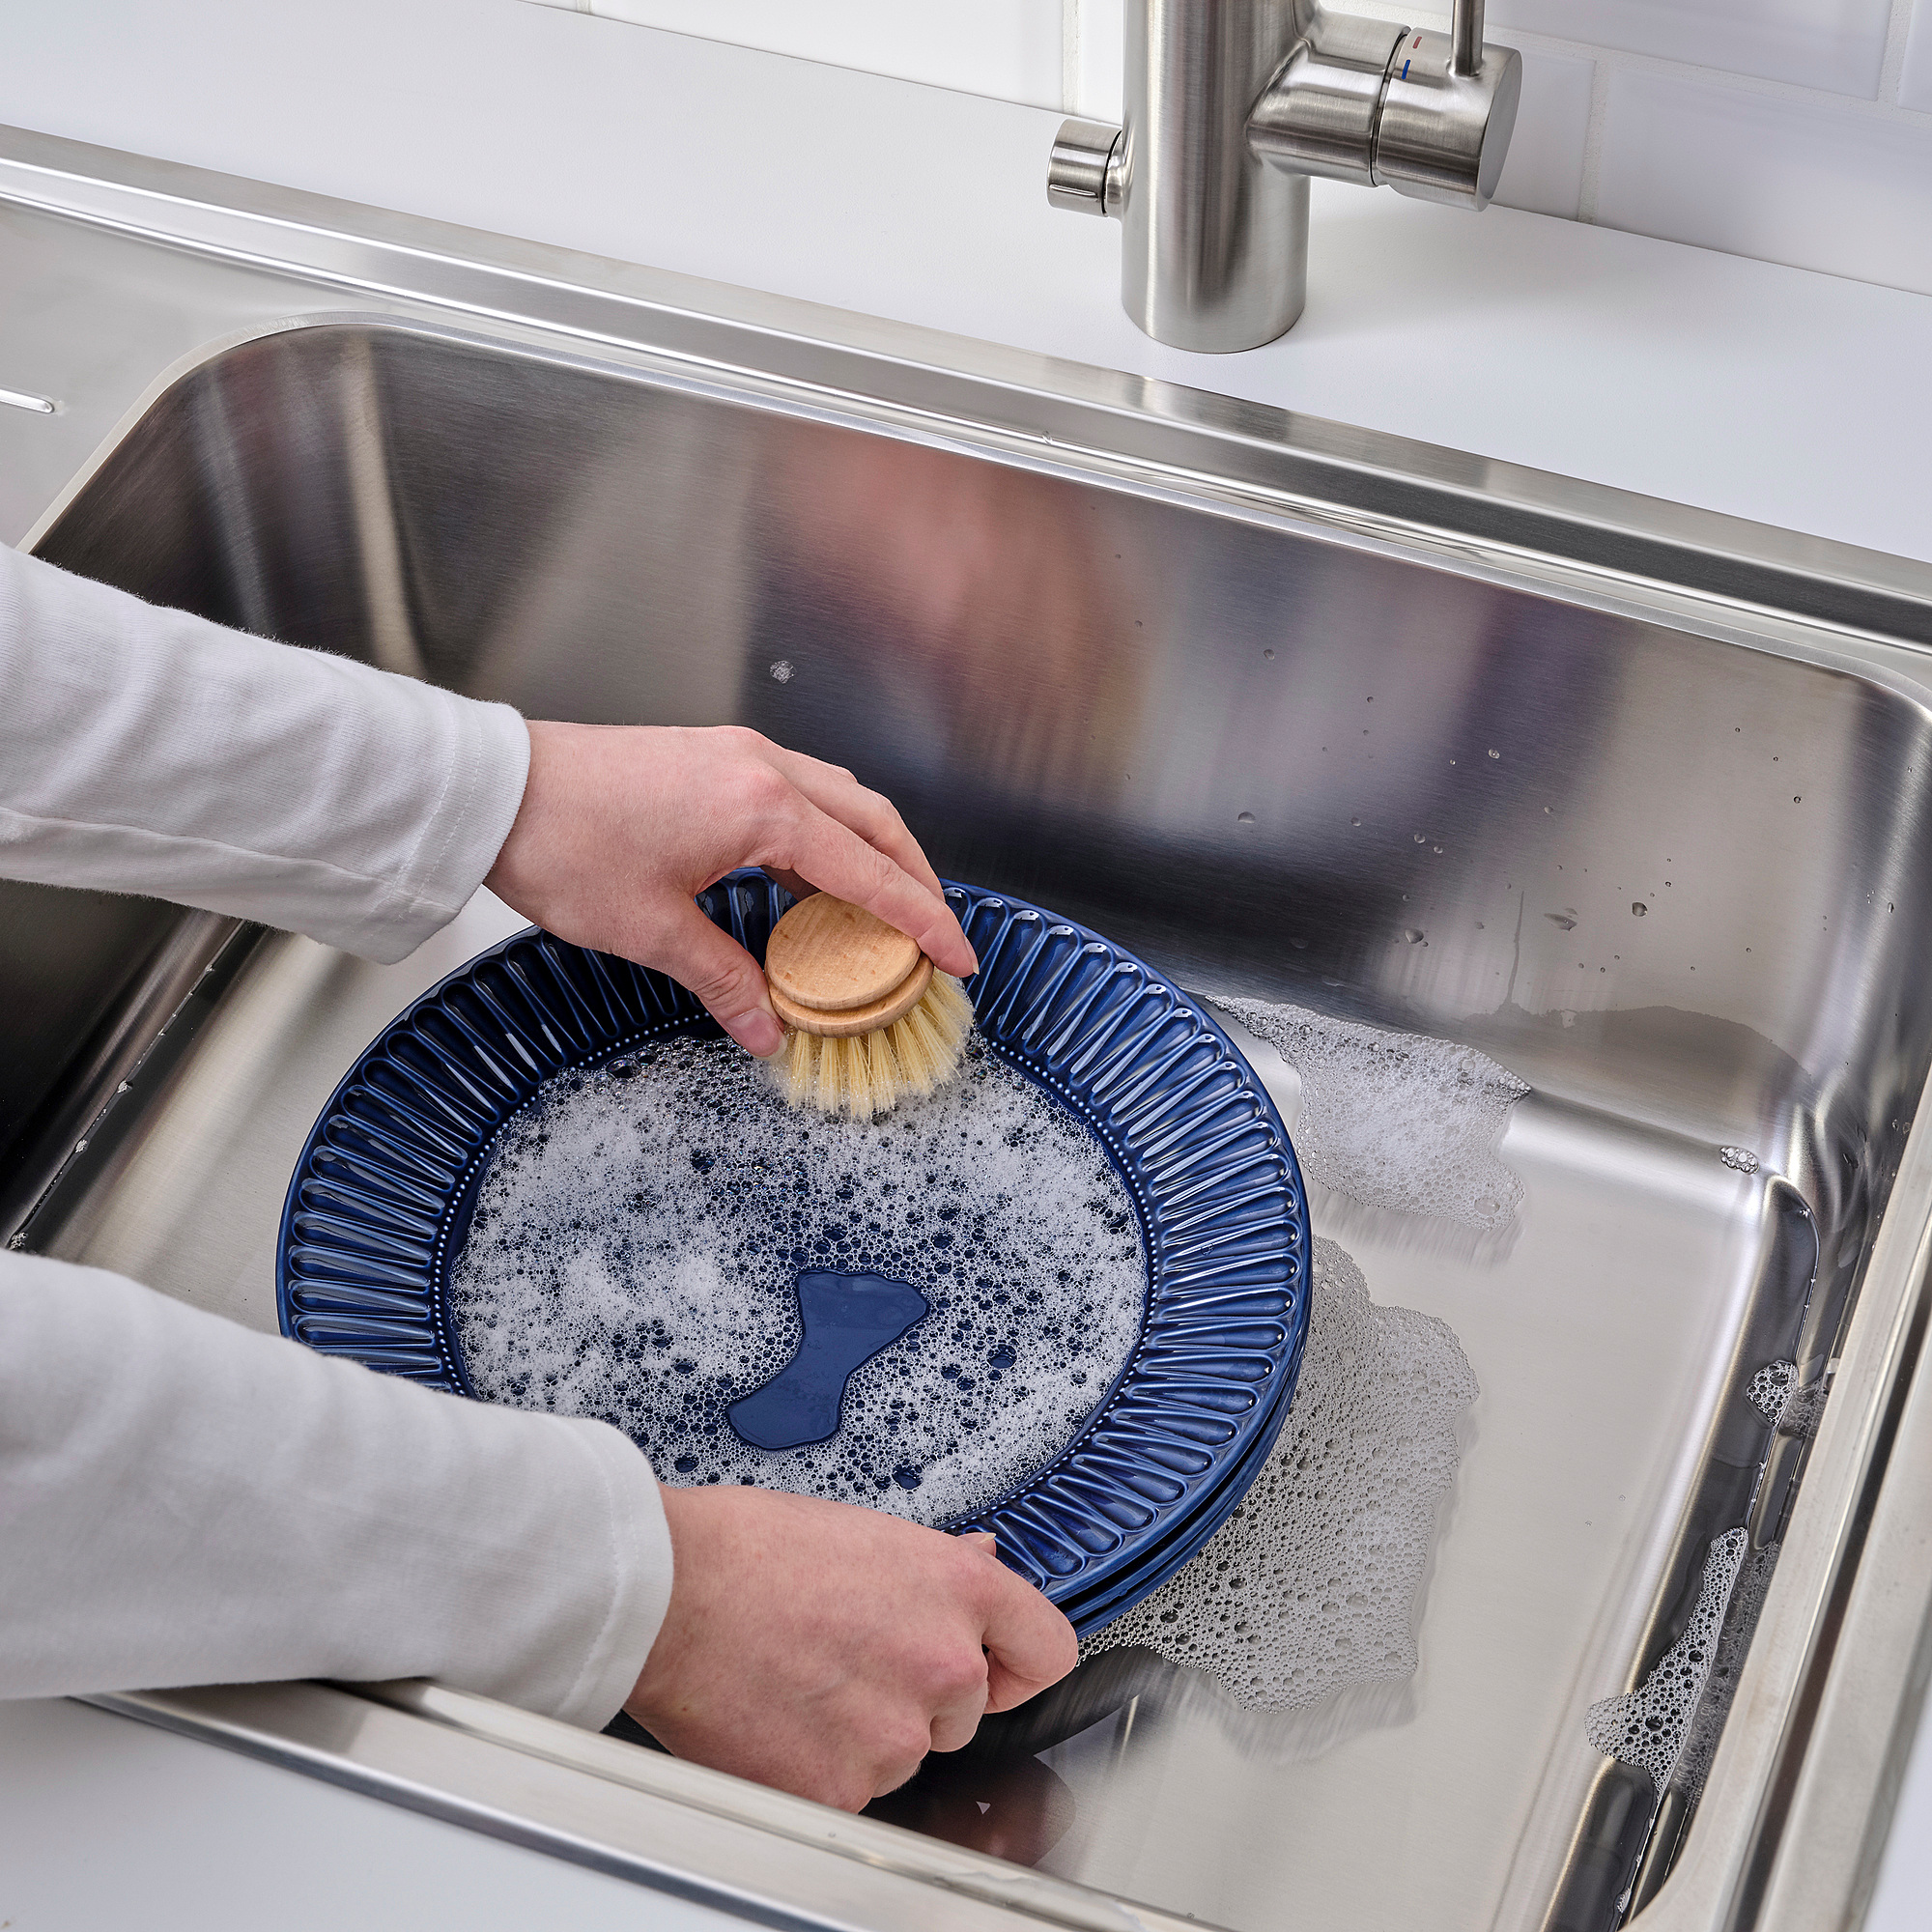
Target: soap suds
1770, 1389
1312, 1587
1393, 1119
1650, 1726
1790, 1410
1670, 1724
640, 1227
1740, 1626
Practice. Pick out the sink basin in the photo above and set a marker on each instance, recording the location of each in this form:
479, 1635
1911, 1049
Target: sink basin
1634, 800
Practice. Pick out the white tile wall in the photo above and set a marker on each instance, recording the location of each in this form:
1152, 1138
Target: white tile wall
1795, 130
1837, 45
1009, 48
1760, 175
1915, 85
1545, 169
1095, 29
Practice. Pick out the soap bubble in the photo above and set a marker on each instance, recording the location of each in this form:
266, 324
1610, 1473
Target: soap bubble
1311, 1590
1669, 1726
639, 1229
1393, 1119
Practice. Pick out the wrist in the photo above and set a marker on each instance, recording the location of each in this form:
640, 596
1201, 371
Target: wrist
683, 1535
519, 863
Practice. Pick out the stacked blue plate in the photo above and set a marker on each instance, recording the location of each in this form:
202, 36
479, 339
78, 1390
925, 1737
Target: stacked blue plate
382, 1196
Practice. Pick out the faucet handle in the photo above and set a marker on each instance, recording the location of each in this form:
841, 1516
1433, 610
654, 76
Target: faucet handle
1083, 173
1447, 113
1362, 101
1318, 113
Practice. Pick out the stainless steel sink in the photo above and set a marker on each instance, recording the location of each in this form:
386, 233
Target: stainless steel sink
1634, 798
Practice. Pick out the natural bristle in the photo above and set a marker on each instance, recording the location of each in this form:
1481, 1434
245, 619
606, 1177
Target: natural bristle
870, 1072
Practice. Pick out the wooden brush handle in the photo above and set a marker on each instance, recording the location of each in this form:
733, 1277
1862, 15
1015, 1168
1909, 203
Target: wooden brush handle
855, 1020
836, 971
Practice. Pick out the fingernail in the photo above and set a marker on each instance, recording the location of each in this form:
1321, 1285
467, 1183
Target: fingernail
758, 1032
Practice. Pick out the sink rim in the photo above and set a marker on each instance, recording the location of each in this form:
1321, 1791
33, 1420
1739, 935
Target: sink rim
1767, 1781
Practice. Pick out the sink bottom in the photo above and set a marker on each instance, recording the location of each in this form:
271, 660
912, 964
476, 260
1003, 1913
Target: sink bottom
1645, 1280
1638, 1266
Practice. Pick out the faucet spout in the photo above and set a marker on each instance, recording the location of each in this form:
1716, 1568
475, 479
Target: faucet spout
1214, 254
1231, 106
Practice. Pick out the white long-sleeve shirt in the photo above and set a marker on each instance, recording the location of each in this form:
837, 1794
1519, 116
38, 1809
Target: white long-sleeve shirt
183, 1501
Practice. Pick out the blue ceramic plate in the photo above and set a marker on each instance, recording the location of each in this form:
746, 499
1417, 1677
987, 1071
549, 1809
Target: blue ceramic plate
381, 1198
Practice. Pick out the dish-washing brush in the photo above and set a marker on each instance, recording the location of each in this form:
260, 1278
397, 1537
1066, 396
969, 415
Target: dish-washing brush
869, 1021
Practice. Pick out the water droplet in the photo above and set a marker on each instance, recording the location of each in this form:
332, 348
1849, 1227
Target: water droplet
1563, 921
1495, 754
1413, 934
1267, 654
1244, 818
1638, 907
782, 672
1354, 821
1421, 837
1798, 798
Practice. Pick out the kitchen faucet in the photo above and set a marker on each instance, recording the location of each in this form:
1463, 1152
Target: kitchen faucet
1231, 106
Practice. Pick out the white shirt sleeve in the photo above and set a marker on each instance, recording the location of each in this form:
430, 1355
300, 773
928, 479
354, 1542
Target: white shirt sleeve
147, 751
183, 1500
186, 1501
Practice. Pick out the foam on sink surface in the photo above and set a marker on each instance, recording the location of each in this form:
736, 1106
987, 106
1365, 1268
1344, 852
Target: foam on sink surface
640, 1229
1393, 1119
1310, 1594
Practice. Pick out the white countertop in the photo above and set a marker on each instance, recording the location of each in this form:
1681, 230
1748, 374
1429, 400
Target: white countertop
108, 1824
1794, 398
1766, 392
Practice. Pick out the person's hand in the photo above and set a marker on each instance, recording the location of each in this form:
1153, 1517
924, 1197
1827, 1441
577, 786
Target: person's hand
825, 1649
622, 826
